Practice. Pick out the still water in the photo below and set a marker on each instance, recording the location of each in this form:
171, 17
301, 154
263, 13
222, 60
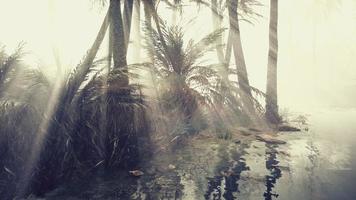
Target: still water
315, 164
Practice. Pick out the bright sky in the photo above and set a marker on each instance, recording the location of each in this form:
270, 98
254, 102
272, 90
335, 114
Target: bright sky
317, 42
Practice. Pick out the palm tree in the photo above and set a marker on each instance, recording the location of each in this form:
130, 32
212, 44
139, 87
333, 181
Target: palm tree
245, 11
183, 81
271, 92
53, 154
234, 42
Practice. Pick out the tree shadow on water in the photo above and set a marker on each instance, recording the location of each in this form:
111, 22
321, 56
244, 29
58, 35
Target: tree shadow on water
226, 184
275, 171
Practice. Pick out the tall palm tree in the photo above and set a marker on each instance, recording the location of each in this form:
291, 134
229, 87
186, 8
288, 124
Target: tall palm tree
235, 39
236, 44
271, 91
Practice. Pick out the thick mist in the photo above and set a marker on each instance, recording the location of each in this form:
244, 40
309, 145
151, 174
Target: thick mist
316, 41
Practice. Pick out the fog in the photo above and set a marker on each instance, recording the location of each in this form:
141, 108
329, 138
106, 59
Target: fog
316, 63
178, 123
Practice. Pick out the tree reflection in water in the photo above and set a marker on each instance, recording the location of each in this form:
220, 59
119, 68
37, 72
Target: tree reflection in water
228, 180
275, 171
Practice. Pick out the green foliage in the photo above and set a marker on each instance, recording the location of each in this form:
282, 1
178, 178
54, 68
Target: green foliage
19, 124
94, 123
183, 79
8, 66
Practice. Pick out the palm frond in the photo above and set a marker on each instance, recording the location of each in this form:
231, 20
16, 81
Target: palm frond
9, 64
247, 10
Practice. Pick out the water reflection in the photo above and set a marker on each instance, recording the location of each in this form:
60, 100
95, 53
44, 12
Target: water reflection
313, 155
226, 184
309, 166
275, 171
163, 187
214, 188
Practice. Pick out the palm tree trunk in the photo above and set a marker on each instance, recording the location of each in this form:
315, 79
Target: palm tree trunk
127, 18
174, 14
237, 47
95, 47
243, 82
271, 90
89, 59
228, 50
118, 42
150, 8
137, 36
148, 24
217, 21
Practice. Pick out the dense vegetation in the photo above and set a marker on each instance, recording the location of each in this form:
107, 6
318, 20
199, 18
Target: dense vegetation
97, 118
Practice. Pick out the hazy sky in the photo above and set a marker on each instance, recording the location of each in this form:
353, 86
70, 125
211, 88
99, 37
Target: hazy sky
317, 42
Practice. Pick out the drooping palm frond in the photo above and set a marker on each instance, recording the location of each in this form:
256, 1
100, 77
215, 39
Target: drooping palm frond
175, 5
247, 10
8, 65
196, 51
175, 57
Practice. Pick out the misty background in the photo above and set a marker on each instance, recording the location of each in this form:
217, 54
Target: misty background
317, 43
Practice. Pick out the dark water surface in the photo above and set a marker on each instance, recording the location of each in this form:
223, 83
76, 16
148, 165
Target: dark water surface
315, 164
318, 164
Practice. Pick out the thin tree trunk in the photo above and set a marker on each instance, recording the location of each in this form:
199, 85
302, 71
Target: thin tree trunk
217, 21
151, 9
237, 47
223, 65
271, 90
137, 36
174, 15
127, 18
99, 39
89, 59
148, 24
243, 82
228, 49
96, 45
